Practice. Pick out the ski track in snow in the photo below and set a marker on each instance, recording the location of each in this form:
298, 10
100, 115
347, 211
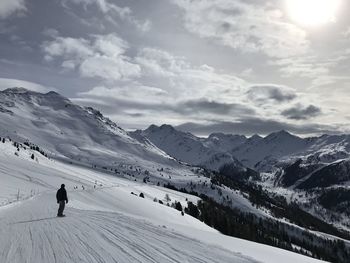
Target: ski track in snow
30, 232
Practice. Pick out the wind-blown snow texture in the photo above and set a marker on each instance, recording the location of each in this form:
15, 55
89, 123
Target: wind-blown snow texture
104, 223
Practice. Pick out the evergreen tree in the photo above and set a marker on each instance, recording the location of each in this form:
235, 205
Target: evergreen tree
178, 206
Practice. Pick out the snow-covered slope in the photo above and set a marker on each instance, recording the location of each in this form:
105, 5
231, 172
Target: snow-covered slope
224, 142
183, 146
275, 145
320, 164
105, 222
66, 130
211, 153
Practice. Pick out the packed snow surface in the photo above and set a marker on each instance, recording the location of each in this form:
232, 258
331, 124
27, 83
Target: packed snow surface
105, 222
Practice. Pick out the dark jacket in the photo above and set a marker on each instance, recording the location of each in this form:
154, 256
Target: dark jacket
61, 195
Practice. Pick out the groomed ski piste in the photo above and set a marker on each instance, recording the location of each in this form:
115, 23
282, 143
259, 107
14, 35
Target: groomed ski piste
104, 222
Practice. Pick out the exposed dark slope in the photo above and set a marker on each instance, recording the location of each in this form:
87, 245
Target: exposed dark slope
290, 174
337, 200
333, 174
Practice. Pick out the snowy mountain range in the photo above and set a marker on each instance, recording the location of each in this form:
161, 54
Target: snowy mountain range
305, 171
211, 153
264, 154
251, 175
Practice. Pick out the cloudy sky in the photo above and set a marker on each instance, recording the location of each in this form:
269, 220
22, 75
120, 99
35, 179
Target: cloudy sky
235, 66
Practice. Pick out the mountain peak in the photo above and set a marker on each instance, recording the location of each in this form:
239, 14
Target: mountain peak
284, 137
163, 128
16, 90
53, 93
167, 127
255, 137
152, 127
21, 90
281, 134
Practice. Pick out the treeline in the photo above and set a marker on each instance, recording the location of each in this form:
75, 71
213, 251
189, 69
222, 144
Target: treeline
279, 206
24, 146
337, 200
233, 222
35, 148
248, 226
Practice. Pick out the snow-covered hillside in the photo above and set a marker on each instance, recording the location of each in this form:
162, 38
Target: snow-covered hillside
84, 135
54, 140
105, 222
74, 134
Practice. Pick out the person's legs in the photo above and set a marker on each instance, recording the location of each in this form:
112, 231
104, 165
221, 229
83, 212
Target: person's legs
61, 208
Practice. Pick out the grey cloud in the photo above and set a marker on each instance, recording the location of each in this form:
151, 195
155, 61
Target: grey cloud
213, 107
101, 4
102, 56
6, 28
262, 93
243, 125
251, 126
9, 7
135, 115
6, 83
346, 33
111, 106
299, 112
110, 11
184, 108
226, 26
260, 28
194, 66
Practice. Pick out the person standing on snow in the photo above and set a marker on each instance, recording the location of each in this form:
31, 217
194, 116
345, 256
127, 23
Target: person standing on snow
62, 199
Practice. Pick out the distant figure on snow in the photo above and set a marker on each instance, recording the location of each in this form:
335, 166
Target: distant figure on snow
62, 199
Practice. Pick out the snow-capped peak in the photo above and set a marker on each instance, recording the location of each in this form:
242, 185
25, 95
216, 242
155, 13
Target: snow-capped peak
282, 135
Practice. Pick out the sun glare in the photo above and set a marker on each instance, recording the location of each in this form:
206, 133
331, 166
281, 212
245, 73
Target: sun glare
313, 12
